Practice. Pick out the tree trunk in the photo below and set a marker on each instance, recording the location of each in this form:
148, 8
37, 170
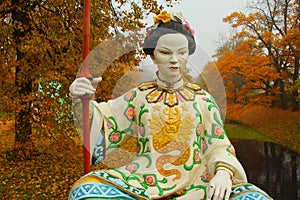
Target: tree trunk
283, 100
295, 94
23, 82
22, 127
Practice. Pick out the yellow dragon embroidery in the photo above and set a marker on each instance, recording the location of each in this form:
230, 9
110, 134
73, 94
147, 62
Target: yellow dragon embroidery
171, 134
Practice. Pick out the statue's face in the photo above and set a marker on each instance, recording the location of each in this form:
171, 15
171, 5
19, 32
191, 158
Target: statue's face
170, 55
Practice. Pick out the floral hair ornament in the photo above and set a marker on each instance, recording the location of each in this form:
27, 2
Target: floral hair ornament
165, 17
177, 16
149, 29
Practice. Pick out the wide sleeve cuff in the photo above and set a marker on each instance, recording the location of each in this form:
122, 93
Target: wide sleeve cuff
226, 167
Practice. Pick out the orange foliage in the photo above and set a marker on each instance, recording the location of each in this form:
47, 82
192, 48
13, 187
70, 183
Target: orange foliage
40, 44
47, 173
267, 58
246, 71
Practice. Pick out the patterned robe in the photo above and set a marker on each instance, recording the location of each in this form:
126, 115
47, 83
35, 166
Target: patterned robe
180, 138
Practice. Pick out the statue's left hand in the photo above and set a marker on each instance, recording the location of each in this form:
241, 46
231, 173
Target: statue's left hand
83, 86
219, 186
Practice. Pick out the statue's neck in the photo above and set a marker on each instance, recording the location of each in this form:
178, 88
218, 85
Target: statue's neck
169, 85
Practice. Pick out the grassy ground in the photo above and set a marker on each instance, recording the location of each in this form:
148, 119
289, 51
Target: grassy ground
245, 132
282, 126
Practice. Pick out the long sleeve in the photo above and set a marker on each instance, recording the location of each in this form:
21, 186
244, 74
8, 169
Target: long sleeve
219, 150
112, 123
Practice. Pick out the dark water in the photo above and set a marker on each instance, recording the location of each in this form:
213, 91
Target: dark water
271, 167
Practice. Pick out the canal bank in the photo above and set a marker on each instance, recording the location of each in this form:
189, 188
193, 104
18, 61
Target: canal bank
272, 167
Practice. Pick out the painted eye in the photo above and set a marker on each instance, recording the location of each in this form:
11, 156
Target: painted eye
165, 52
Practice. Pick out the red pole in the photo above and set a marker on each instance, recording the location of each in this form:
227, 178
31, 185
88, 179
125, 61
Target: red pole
86, 39
85, 73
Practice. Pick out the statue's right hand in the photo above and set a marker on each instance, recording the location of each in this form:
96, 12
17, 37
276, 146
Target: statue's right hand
83, 86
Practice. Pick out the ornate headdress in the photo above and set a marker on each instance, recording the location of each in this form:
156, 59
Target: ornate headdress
165, 17
166, 23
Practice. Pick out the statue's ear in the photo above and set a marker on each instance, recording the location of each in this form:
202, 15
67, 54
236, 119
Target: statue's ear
153, 58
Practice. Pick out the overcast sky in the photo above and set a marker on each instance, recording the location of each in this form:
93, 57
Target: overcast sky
205, 16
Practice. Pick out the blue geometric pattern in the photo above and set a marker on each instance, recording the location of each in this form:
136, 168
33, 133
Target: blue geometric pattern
94, 190
119, 182
251, 196
240, 191
248, 191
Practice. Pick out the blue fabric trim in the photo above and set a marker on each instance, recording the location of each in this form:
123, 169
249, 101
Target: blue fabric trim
94, 190
98, 154
248, 191
121, 183
251, 196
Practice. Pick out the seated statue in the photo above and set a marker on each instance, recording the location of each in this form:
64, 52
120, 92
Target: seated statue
182, 149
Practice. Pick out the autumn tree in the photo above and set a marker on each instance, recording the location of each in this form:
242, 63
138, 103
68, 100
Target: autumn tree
248, 75
40, 44
226, 43
272, 28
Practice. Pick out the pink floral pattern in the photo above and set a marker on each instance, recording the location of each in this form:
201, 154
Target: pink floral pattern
150, 180
199, 129
130, 113
206, 178
115, 137
129, 95
231, 150
218, 131
197, 158
203, 145
109, 125
132, 167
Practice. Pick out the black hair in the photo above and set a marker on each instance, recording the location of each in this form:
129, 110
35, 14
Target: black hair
172, 27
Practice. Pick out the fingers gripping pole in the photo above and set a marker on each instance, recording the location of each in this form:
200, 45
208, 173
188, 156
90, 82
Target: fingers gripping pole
86, 98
